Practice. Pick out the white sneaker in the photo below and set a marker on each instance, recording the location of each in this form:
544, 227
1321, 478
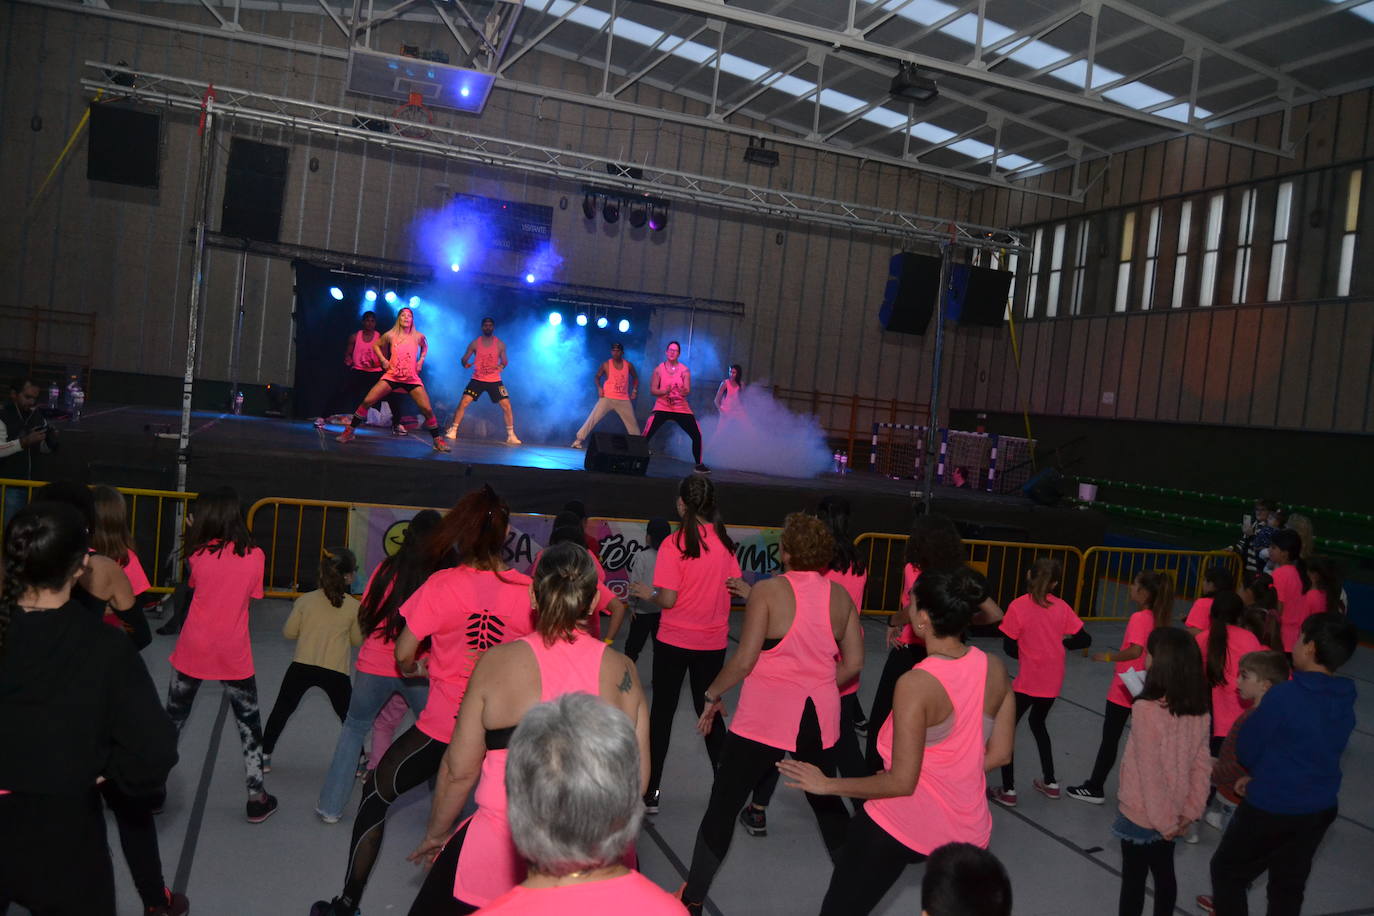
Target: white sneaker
1212, 818
452, 433
1191, 837
576, 443
511, 440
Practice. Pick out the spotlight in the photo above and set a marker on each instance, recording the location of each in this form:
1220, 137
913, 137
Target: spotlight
390, 297
465, 92
581, 320
759, 154
602, 322
912, 85
414, 301
639, 214
370, 295
555, 319
529, 278
610, 210
336, 292
589, 207
455, 267
624, 325
658, 216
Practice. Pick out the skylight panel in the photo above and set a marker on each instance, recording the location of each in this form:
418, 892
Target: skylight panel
751, 71
886, 117
793, 85
1364, 10
930, 133
694, 51
640, 34
841, 101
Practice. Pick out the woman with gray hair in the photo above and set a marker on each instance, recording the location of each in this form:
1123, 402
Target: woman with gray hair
573, 797
478, 862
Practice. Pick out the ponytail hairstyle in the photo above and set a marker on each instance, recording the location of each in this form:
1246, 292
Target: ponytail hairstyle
934, 544
1326, 575
110, 535
1290, 542
217, 516
1261, 588
564, 590
399, 575
698, 497
45, 544
834, 511
1175, 673
1043, 578
950, 598
1158, 584
336, 565
1227, 610
475, 530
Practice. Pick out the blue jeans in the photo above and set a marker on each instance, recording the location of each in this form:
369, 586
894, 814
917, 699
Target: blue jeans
370, 693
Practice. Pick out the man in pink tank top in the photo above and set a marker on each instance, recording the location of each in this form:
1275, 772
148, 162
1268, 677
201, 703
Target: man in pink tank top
617, 393
486, 356
364, 370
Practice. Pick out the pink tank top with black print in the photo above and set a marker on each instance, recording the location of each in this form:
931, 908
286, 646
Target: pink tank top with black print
617, 381
672, 379
364, 357
405, 354
486, 366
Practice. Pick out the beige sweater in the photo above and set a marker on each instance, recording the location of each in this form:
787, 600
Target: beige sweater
324, 634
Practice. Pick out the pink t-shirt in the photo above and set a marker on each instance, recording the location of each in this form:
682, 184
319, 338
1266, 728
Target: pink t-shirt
629, 894
214, 643
1200, 614
1292, 609
1226, 704
1138, 629
672, 379
853, 584
909, 576
466, 611
138, 579
377, 654
486, 360
404, 358
364, 357
700, 619
1039, 633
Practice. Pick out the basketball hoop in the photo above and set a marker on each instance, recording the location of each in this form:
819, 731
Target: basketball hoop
418, 119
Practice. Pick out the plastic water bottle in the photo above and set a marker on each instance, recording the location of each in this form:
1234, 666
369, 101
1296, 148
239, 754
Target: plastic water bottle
238, 402
844, 462
836, 466
54, 393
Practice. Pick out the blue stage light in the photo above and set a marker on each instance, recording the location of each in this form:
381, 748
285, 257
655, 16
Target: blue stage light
529, 278
370, 295
455, 267
414, 301
336, 292
581, 321
602, 322
624, 325
390, 297
555, 319
465, 92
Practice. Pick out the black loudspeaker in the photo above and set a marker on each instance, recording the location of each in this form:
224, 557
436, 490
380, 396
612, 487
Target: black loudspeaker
253, 190
978, 295
913, 281
123, 145
1045, 488
617, 453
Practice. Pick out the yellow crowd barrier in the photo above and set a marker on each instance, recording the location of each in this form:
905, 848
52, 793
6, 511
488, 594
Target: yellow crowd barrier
1103, 590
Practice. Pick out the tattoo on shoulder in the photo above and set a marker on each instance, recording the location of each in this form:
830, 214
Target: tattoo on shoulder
626, 682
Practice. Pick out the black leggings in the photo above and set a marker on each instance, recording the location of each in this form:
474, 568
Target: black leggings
867, 866
243, 700
642, 626
849, 758
53, 856
1113, 724
410, 761
436, 894
1157, 859
298, 679
1039, 708
686, 421
671, 664
899, 662
742, 764
138, 839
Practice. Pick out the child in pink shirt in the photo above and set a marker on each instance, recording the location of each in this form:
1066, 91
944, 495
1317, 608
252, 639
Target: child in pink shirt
226, 573
1290, 582
1165, 771
1216, 579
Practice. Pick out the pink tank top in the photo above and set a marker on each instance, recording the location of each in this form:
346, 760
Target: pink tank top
853, 584
668, 378
364, 357
405, 354
488, 863
617, 381
732, 402
800, 667
486, 366
950, 803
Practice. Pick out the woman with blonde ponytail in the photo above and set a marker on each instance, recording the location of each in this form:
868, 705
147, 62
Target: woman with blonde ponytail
478, 863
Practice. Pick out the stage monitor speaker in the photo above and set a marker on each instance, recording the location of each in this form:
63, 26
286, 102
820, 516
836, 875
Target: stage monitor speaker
253, 190
617, 453
124, 145
913, 282
1045, 488
978, 295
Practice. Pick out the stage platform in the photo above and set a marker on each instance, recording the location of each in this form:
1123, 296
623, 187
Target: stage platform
136, 446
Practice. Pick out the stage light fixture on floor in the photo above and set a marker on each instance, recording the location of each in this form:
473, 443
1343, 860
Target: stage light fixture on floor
624, 326
555, 319
589, 206
336, 293
390, 297
370, 295
610, 210
581, 320
529, 278
658, 216
602, 322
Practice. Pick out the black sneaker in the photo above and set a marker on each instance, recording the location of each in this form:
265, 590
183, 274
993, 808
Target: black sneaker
260, 810
333, 907
1085, 793
755, 820
651, 802
168, 629
702, 469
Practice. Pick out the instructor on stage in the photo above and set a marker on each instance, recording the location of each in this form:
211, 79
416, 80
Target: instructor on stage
486, 356
617, 393
670, 384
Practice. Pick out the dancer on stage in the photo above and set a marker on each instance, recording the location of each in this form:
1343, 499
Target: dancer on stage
729, 396
486, 356
617, 393
364, 371
670, 384
402, 353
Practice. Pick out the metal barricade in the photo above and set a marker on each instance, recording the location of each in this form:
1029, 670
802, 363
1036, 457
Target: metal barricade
1103, 591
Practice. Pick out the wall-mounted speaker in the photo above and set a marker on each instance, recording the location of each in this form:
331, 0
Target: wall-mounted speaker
913, 281
253, 190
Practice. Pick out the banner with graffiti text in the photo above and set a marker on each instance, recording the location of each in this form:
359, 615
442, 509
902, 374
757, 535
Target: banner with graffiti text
377, 532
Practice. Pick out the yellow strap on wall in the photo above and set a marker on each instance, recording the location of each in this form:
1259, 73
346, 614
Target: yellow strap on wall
62, 156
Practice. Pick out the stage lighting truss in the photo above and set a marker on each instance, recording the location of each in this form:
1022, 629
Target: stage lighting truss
465, 145
640, 209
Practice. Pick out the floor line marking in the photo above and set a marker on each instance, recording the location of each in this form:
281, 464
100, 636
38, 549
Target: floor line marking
207, 772
676, 862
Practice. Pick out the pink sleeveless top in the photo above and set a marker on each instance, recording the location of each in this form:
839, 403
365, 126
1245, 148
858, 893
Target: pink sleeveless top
405, 354
488, 863
617, 381
486, 365
667, 378
853, 584
950, 803
364, 357
800, 667
732, 402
